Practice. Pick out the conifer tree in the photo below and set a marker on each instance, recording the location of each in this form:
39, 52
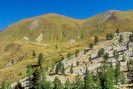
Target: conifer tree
117, 31
88, 80
58, 67
78, 83
62, 69
40, 59
122, 78
33, 53
98, 84
96, 40
71, 69
76, 53
121, 38
68, 84
110, 79
90, 59
106, 56
109, 36
44, 84
116, 54
117, 72
101, 52
91, 45
57, 84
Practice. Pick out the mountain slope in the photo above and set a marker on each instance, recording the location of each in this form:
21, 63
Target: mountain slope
54, 27
43, 33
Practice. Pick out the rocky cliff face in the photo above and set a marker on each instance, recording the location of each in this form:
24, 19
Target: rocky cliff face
124, 49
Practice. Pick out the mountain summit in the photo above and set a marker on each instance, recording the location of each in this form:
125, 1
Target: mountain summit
54, 27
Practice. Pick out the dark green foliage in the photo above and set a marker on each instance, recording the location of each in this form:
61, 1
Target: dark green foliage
62, 58
117, 31
33, 53
44, 84
62, 69
116, 54
69, 55
96, 40
110, 79
101, 52
109, 36
40, 59
131, 38
68, 84
76, 53
29, 71
56, 46
57, 84
127, 45
77, 63
88, 80
121, 38
106, 56
71, 69
90, 59
78, 83
123, 58
98, 84
117, 72
58, 66
91, 45
122, 78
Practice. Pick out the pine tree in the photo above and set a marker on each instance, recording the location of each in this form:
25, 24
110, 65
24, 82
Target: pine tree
101, 52
109, 36
33, 53
78, 83
106, 56
110, 80
96, 40
116, 54
71, 69
58, 67
90, 59
62, 69
40, 59
29, 71
88, 80
122, 78
77, 63
91, 45
123, 58
121, 38
117, 72
68, 84
76, 53
117, 31
44, 84
98, 84
68, 55
57, 84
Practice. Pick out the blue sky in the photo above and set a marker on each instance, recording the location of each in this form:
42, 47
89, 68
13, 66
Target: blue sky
12, 11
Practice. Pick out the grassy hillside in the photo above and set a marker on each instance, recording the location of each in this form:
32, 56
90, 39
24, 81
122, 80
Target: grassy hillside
54, 27
25, 36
